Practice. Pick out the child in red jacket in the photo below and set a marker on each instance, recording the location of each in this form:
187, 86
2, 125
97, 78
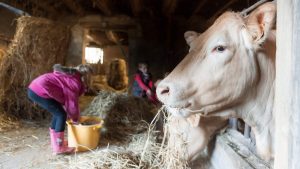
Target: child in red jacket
143, 84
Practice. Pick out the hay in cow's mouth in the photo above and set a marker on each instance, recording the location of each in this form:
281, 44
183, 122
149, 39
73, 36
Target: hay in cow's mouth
184, 111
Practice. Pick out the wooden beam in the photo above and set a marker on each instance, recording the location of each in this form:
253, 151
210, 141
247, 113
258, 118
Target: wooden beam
199, 6
74, 6
5, 38
169, 7
45, 6
84, 43
97, 26
136, 6
104, 6
225, 7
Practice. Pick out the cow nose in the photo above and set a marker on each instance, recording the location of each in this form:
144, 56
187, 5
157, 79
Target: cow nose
163, 92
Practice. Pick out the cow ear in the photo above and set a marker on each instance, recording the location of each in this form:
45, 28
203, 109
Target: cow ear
261, 21
190, 36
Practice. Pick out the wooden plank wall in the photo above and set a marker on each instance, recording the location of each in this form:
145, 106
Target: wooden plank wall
287, 92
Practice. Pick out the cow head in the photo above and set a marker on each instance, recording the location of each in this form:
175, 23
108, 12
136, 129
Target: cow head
221, 65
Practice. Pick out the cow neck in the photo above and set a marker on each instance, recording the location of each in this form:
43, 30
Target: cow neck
258, 108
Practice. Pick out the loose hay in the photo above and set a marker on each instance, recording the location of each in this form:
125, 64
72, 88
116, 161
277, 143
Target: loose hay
143, 151
123, 115
7, 123
37, 45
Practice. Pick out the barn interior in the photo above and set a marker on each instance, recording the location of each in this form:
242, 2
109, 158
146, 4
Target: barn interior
113, 36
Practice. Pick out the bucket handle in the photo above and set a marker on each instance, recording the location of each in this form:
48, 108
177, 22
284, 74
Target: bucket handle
99, 125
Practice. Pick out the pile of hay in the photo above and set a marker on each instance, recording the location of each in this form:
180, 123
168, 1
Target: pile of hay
117, 77
143, 151
8, 122
37, 45
144, 148
123, 115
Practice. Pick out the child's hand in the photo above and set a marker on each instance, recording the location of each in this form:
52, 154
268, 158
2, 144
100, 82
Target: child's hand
75, 122
148, 92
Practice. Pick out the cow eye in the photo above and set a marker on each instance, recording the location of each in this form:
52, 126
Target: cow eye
219, 48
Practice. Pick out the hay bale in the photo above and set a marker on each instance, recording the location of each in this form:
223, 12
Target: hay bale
117, 77
37, 45
99, 82
123, 115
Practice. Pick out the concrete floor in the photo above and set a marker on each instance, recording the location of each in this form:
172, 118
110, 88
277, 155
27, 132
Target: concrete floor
27, 147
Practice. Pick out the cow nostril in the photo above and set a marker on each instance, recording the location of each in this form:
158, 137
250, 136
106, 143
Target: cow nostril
165, 91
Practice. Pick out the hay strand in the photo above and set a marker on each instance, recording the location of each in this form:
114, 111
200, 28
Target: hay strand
143, 151
123, 115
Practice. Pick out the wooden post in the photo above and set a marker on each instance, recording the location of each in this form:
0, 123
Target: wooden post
287, 92
84, 43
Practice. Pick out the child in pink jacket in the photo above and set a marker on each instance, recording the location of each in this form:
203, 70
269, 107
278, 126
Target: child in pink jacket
58, 92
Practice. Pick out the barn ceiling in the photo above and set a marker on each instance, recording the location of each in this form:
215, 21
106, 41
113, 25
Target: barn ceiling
206, 9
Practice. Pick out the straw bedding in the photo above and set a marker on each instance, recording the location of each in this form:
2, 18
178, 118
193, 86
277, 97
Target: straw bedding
123, 115
37, 45
8, 122
131, 134
133, 123
143, 151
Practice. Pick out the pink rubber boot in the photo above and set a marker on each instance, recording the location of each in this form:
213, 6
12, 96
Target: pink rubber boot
52, 131
52, 138
58, 146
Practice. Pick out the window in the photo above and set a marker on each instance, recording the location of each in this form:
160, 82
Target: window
93, 55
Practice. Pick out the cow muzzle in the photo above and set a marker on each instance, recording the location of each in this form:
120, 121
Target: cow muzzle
171, 94
177, 100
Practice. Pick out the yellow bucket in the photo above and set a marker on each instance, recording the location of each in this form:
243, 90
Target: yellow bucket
84, 136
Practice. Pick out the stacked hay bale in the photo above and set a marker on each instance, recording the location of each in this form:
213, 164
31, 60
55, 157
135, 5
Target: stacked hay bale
37, 45
117, 77
99, 82
123, 115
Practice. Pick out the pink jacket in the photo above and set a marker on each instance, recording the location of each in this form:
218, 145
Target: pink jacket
64, 88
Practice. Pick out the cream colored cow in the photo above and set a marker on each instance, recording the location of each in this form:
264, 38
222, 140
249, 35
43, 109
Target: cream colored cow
228, 72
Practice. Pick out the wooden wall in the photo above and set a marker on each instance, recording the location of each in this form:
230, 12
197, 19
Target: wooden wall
287, 92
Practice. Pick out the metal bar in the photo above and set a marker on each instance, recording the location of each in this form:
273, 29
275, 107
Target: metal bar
252, 7
13, 9
233, 123
247, 131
